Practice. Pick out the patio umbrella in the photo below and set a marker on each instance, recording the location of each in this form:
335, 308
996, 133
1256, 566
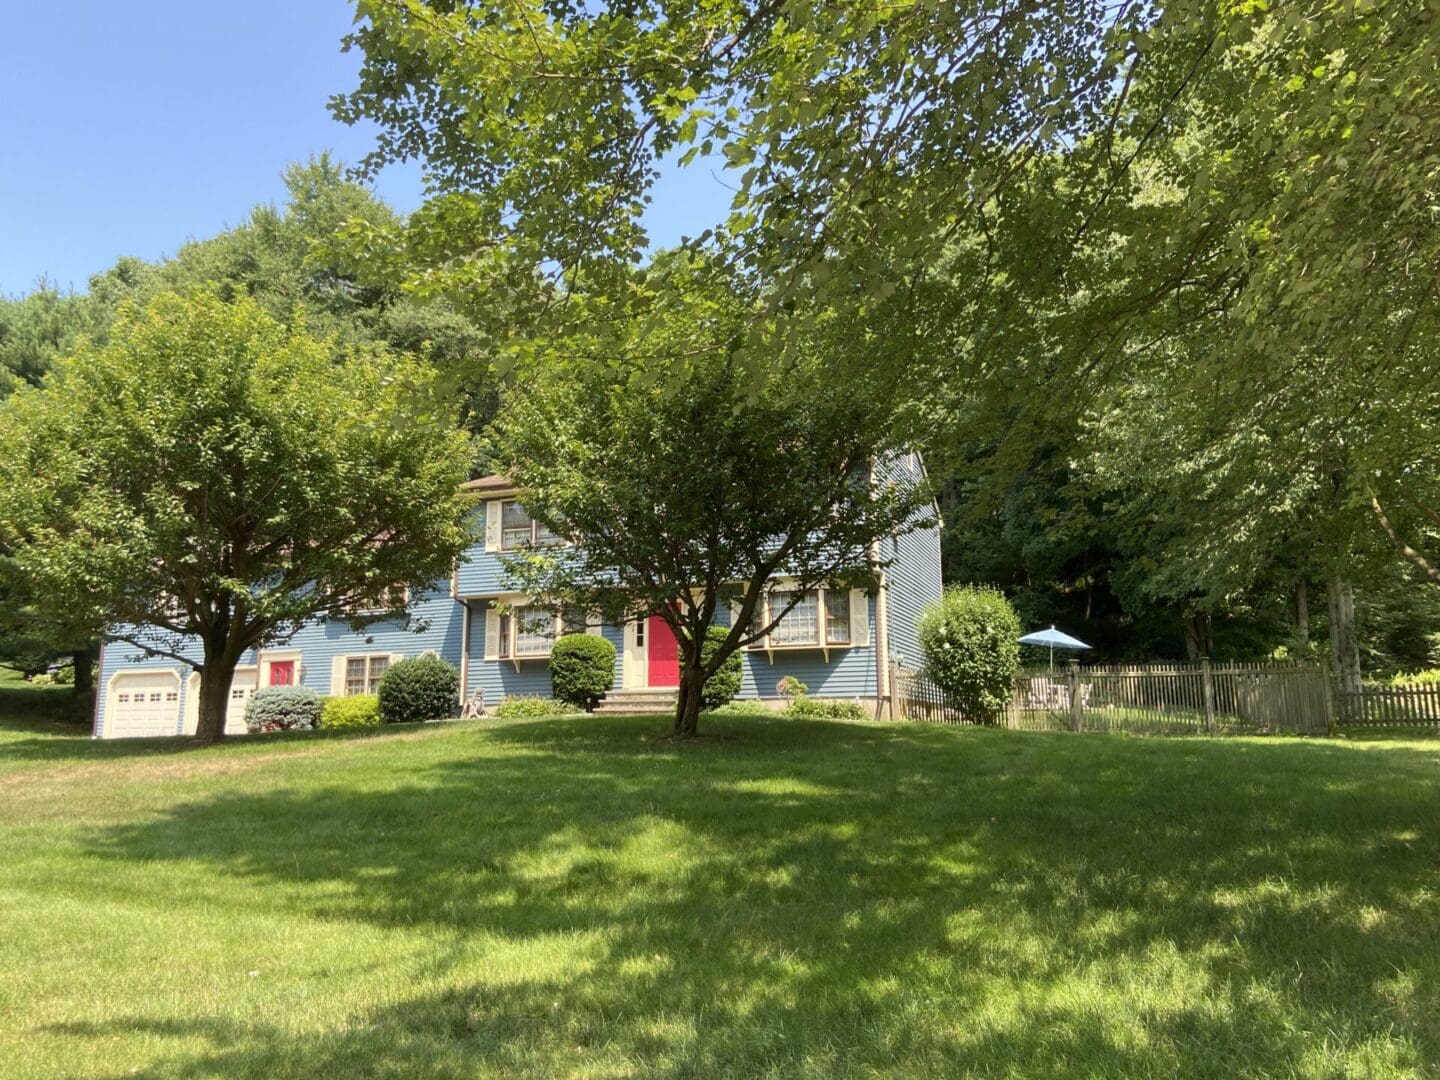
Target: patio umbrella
1056, 639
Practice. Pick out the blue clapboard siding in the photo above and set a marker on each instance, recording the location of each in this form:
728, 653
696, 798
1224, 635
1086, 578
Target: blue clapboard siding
434, 626
848, 672
914, 573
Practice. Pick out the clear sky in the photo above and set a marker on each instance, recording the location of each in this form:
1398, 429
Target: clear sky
127, 129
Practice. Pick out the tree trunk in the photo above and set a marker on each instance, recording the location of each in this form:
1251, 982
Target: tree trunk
687, 706
1197, 637
1344, 648
84, 673
1302, 613
216, 677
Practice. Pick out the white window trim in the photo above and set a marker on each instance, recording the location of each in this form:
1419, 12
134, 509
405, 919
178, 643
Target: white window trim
535, 526
404, 602
512, 602
852, 598
369, 658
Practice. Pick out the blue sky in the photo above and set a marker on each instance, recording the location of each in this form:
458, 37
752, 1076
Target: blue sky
129, 129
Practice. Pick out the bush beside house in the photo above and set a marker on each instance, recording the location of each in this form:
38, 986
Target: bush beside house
418, 689
356, 711
521, 707
282, 708
969, 638
582, 669
721, 687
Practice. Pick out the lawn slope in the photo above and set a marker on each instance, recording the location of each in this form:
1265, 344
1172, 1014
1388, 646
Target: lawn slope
573, 898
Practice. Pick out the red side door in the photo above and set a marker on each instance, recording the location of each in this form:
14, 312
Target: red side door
662, 654
282, 673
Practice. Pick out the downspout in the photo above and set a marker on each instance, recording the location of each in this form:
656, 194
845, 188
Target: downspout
883, 704
465, 655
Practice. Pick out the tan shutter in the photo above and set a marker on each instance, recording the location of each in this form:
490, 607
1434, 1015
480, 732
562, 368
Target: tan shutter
337, 677
592, 623
492, 525
492, 633
859, 618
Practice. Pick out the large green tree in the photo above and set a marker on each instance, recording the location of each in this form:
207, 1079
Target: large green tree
209, 475
691, 487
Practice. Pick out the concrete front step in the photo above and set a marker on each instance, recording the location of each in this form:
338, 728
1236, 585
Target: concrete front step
638, 701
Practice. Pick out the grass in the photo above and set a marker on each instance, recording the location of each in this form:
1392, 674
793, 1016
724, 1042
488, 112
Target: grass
573, 898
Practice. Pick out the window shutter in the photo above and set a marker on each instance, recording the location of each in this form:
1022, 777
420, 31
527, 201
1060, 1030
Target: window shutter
859, 618
337, 676
396, 657
492, 633
492, 525
592, 623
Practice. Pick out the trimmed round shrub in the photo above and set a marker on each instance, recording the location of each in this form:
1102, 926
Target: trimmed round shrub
356, 711
722, 686
808, 708
582, 669
282, 708
970, 641
418, 689
521, 707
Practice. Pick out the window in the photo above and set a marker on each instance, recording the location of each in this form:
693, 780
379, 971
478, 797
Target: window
387, 599
124, 699
800, 626
528, 631
534, 631
837, 619
237, 694
173, 695
362, 674
517, 527
640, 632
519, 530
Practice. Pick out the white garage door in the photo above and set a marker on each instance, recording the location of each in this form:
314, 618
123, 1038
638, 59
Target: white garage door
143, 704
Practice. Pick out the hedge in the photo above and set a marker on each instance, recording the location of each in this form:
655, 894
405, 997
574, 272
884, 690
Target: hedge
582, 669
282, 708
418, 689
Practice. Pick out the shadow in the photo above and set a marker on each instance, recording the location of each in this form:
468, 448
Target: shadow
825, 899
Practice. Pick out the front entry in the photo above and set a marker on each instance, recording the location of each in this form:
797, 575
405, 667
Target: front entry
662, 654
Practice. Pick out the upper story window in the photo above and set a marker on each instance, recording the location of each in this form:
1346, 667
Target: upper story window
519, 530
388, 599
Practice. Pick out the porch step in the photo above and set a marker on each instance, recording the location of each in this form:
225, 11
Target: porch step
638, 701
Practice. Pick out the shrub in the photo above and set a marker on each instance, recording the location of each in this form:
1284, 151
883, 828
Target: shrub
721, 687
356, 711
43, 679
791, 688
282, 708
418, 689
530, 708
1428, 677
808, 708
969, 639
65, 676
582, 669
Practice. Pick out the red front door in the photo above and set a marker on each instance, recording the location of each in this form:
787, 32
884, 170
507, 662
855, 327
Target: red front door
662, 654
282, 673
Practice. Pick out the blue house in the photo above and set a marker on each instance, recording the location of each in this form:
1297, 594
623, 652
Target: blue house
840, 644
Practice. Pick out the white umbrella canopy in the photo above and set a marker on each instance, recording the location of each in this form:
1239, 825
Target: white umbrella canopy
1056, 639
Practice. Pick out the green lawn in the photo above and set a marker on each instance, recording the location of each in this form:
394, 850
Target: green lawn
572, 898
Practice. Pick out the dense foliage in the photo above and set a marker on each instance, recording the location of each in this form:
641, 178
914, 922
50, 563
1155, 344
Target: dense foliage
355, 711
283, 708
805, 707
522, 707
209, 474
582, 669
724, 682
417, 689
969, 638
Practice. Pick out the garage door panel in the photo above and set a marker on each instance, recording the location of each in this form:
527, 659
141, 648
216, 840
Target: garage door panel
143, 705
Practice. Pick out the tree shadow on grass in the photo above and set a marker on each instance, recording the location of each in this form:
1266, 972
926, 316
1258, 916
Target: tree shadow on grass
831, 899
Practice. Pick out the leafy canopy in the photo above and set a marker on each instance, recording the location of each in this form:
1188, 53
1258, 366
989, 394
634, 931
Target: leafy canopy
210, 473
